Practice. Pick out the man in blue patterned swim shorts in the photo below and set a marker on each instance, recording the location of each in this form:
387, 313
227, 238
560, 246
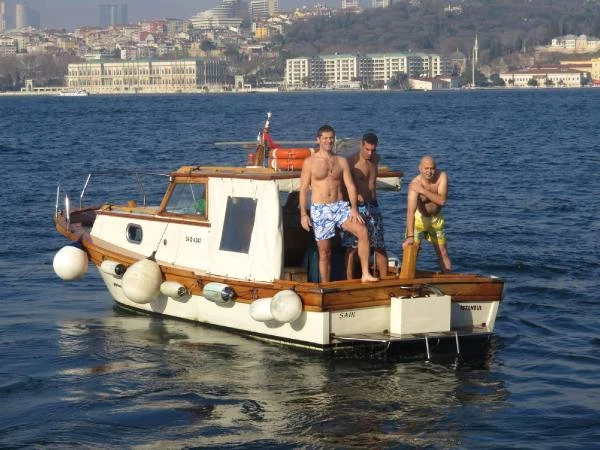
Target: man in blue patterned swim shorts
363, 167
326, 174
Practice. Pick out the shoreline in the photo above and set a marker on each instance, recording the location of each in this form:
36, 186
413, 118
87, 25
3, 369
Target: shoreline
57, 93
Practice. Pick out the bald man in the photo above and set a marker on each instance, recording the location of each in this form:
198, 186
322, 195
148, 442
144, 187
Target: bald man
427, 194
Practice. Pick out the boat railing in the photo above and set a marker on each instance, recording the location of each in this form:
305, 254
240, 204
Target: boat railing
110, 184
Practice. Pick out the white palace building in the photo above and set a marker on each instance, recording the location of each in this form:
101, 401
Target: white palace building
189, 75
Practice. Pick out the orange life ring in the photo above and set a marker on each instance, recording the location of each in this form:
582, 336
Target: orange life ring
291, 153
287, 163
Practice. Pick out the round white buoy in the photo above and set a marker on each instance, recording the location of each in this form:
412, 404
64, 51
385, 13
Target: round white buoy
173, 289
141, 282
260, 309
70, 263
218, 292
286, 306
112, 268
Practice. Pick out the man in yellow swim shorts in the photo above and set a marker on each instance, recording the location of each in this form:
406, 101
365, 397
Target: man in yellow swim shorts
427, 194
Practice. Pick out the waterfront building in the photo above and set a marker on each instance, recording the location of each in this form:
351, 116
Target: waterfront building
297, 72
595, 72
378, 68
147, 76
584, 66
556, 77
339, 69
371, 70
433, 83
112, 15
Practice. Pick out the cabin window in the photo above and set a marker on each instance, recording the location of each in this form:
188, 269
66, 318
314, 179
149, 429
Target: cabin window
188, 198
239, 222
134, 233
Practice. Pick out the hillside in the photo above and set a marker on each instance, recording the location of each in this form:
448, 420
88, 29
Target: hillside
504, 27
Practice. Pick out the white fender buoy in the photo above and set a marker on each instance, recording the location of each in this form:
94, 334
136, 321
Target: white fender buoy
112, 268
218, 292
173, 289
286, 306
70, 262
141, 282
260, 309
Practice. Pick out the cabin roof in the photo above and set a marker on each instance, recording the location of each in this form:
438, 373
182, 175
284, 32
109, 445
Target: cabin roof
255, 173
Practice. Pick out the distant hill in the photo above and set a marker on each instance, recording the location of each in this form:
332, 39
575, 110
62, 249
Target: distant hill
504, 27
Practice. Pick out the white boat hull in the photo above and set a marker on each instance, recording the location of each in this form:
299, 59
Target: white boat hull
312, 329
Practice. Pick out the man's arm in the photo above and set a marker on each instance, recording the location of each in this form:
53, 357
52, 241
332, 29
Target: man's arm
411, 208
304, 186
373, 169
439, 197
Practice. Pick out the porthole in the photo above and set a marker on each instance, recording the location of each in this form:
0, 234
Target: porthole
134, 233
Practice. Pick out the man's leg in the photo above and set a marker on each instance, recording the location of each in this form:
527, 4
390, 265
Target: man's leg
381, 262
324, 247
350, 262
442, 253
360, 231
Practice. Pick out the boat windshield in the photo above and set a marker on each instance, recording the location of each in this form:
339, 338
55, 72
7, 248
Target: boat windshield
188, 198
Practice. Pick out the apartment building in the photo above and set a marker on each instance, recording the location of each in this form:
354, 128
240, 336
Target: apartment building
146, 76
297, 71
369, 69
261, 9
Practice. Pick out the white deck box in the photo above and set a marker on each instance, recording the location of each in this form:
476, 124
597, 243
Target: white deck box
420, 314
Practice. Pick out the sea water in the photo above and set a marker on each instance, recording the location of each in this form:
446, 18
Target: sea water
523, 205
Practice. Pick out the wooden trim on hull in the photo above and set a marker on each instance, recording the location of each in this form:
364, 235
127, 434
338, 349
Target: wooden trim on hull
316, 297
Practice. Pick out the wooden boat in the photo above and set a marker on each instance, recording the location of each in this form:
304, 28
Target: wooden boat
225, 248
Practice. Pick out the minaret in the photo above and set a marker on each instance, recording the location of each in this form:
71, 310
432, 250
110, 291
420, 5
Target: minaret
474, 60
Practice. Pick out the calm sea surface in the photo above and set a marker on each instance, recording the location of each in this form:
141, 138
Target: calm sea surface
524, 200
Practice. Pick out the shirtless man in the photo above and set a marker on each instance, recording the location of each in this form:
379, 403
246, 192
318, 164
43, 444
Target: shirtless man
427, 194
363, 167
325, 174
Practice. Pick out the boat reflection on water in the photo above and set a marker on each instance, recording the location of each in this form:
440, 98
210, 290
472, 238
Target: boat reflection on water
201, 386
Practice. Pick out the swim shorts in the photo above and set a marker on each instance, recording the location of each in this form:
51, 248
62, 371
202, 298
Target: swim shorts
374, 222
430, 228
326, 216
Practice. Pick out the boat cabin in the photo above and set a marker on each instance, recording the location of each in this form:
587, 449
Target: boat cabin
241, 223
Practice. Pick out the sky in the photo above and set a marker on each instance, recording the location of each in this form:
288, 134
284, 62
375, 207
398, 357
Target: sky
71, 14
